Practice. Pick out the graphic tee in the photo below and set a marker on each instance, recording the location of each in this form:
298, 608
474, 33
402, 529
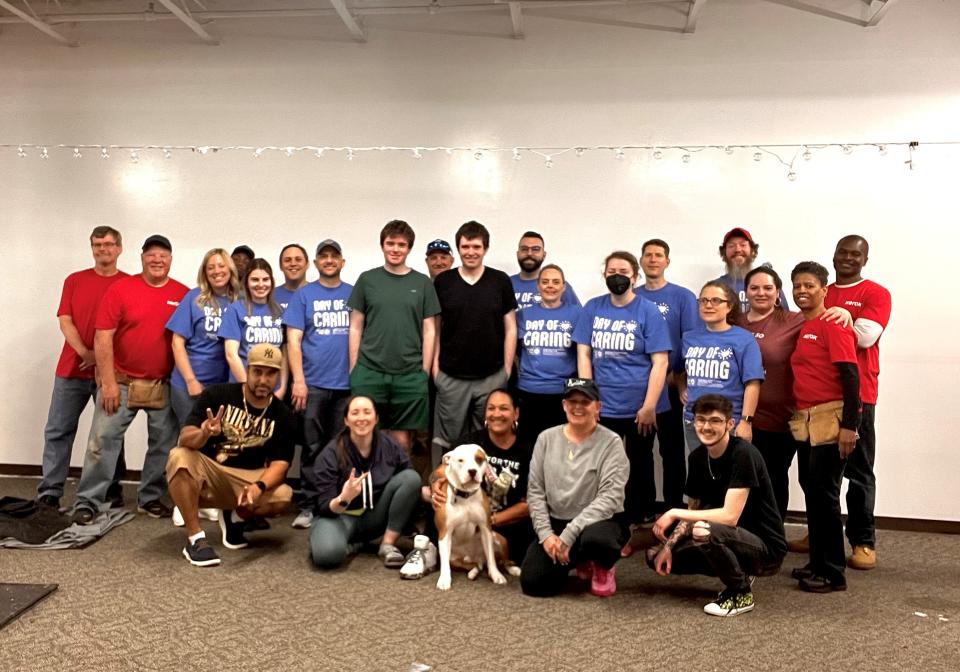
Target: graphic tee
678, 305
199, 326
252, 438
548, 353
527, 294
740, 466
394, 308
821, 344
471, 328
516, 458
82, 292
621, 339
260, 326
321, 313
868, 300
139, 313
283, 296
720, 362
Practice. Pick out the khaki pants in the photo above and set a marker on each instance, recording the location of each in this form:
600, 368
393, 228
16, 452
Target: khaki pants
220, 486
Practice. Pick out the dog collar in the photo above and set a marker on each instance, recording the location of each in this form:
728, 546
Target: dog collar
462, 494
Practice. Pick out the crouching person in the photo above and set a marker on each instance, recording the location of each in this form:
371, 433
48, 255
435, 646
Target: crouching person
366, 489
575, 495
732, 528
234, 459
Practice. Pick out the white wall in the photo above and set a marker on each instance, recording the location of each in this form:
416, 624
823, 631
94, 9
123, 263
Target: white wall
754, 72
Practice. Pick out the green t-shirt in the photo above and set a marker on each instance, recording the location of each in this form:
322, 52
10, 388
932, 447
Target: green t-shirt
394, 308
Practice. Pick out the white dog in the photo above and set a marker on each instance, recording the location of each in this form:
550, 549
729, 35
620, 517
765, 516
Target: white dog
465, 514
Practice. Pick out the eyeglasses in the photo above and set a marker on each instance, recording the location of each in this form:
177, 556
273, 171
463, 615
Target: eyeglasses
711, 301
101, 246
536, 249
700, 421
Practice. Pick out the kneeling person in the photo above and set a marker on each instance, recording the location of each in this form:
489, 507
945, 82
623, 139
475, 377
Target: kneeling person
732, 528
235, 460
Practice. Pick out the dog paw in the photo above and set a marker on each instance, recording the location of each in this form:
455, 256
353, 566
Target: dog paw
513, 570
443, 583
472, 574
498, 578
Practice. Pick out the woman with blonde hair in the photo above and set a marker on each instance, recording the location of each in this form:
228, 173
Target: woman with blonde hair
197, 352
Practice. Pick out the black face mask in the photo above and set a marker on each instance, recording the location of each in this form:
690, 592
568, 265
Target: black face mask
618, 284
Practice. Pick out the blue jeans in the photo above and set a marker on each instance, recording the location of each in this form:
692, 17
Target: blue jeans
322, 420
330, 537
103, 448
182, 403
70, 397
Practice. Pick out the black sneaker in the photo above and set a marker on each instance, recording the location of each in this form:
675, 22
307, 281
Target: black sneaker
800, 573
821, 584
115, 500
49, 500
232, 532
83, 515
730, 603
156, 509
256, 524
200, 554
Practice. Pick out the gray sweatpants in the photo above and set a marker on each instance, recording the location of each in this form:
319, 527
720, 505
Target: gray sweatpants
460, 408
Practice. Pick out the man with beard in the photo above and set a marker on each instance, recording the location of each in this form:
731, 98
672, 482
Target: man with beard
530, 255
738, 252
235, 459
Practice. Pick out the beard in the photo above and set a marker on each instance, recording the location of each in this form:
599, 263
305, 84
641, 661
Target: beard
739, 272
529, 264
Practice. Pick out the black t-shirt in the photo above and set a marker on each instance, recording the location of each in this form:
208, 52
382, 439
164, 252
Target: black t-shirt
471, 322
516, 458
740, 466
247, 441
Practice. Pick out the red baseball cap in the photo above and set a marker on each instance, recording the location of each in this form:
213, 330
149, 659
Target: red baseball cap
733, 233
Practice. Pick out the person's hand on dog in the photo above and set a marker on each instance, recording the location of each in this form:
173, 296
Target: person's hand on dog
353, 486
663, 524
438, 493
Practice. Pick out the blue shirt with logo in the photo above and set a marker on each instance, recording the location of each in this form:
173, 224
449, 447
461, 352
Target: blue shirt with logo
260, 326
548, 355
282, 295
720, 362
621, 341
528, 294
678, 305
321, 313
199, 326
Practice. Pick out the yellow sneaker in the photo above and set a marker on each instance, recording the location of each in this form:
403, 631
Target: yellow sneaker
800, 545
863, 557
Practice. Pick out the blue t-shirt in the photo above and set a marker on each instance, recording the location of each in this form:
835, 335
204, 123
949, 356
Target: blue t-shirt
621, 341
678, 305
548, 354
739, 287
198, 327
282, 295
322, 315
720, 363
257, 327
527, 294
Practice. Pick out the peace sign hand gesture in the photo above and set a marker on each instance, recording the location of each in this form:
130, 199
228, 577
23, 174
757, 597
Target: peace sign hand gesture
213, 425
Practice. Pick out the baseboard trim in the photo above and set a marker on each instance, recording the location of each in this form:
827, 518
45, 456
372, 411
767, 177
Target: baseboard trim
37, 470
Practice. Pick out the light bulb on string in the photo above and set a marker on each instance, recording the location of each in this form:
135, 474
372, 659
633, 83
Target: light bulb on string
258, 152
847, 149
728, 149
288, 151
104, 154
76, 153
21, 152
134, 156
478, 155
350, 154
167, 154
807, 154
757, 156
792, 176
620, 154
204, 150
44, 154
658, 155
448, 151
685, 158
319, 152
548, 163
416, 153
516, 154
882, 149
580, 151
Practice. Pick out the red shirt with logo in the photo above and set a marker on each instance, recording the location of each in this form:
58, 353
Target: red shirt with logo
777, 339
865, 299
139, 313
820, 345
82, 292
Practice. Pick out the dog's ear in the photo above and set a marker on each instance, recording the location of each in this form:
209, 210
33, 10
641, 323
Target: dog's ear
446, 458
480, 456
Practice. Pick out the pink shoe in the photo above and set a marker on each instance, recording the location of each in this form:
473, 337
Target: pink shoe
604, 582
585, 570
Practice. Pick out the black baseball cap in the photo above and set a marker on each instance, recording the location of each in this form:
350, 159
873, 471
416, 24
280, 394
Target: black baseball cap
158, 240
438, 245
243, 249
583, 385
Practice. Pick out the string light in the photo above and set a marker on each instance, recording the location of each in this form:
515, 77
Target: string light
167, 154
104, 154
579, 151
478, 155
319, 152
288, 151
516, 154
882, 149
792, 176
619, 154
685, 158
658, 155
548, 163
728, 150
847, 149
416, 153
20, 152
807, 154
134, 156
757, 156
349, 153
44, 154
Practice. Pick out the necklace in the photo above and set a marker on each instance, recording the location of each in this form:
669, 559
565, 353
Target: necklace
246, 409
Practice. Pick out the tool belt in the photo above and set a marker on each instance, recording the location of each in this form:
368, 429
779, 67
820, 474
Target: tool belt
146, 393
818, 425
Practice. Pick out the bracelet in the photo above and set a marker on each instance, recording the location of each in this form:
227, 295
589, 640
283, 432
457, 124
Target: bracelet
261, 485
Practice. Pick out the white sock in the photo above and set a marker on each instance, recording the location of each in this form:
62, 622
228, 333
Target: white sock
199, 535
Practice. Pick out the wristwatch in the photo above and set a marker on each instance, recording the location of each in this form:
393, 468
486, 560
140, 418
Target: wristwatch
261, 485
747, 419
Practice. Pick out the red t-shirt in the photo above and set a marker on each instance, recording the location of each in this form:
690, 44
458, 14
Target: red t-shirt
139, 313
777, 340
870, 301
81, 295
821, 344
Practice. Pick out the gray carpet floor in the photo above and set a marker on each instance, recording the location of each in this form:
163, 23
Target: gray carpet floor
131, 602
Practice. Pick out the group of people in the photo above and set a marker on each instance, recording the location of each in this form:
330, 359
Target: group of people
566, 399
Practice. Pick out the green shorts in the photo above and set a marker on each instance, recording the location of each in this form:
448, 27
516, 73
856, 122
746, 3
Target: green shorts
402, 399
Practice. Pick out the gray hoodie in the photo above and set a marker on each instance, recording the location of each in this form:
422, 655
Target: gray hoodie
582, 483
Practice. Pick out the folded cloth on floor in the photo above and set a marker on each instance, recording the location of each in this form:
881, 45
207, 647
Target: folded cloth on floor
46, 529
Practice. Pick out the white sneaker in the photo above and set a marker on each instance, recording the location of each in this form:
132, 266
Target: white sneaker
205, 514
303, 520
421, 560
